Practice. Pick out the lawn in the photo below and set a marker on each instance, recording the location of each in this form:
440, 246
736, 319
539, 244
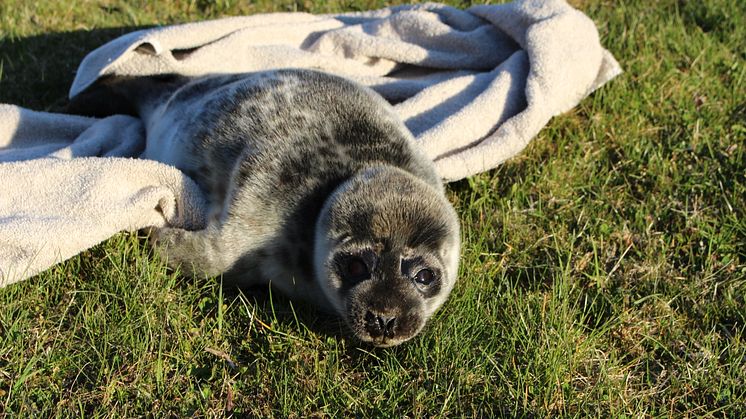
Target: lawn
603, 269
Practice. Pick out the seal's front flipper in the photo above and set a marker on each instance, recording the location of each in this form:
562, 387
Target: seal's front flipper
191, 251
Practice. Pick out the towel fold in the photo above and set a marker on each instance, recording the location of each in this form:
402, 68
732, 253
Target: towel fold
474, 86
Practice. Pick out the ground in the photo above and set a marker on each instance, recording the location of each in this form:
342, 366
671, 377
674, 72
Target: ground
603, 273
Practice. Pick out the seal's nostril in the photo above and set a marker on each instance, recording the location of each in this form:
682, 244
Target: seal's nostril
378, 325
390, 326
373, 324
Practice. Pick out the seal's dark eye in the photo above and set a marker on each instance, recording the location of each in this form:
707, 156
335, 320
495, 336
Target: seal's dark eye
424, 277
356, 268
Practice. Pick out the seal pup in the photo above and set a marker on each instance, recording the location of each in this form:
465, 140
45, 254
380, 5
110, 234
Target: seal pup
314, 187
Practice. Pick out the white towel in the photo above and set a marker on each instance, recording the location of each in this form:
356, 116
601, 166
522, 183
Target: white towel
474, 86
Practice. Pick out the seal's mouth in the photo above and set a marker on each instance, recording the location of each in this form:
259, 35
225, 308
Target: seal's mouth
383, 341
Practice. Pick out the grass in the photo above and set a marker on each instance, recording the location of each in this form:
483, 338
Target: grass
603, 270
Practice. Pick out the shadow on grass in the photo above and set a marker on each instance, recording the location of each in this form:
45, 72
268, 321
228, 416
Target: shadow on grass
36, 72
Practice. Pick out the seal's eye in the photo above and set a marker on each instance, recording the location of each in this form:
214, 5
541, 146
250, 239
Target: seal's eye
356, 269
424, 277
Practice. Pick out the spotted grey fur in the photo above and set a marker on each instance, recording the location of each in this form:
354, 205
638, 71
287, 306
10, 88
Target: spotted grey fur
314, 186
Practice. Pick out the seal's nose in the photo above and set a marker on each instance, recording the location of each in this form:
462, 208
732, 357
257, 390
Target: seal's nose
380, 325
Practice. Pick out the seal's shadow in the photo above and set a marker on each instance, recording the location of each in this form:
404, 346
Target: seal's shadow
287, 312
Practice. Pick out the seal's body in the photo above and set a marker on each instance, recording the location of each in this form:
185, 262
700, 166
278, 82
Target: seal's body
314, 186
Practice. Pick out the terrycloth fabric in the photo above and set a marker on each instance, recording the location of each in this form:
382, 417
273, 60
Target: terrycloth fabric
474, 87
55, 202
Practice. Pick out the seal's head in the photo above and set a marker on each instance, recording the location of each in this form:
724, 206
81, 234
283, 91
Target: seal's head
386, 253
